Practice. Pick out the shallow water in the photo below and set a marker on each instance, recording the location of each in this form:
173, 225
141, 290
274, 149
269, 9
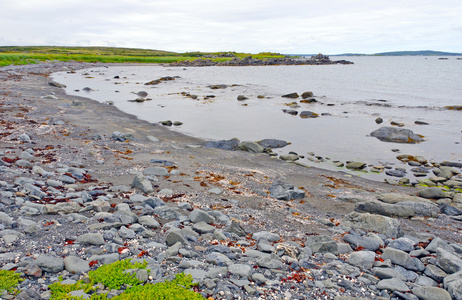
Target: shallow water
409, 89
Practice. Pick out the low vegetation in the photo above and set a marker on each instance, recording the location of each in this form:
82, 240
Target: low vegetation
14, 55
115, 276
8, 281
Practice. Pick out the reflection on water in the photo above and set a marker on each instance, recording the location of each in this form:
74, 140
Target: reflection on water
351, 97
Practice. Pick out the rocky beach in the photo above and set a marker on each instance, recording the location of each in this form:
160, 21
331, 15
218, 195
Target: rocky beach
84, 184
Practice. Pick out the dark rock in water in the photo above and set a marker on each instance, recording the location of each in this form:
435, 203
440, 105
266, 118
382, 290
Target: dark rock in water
308, 114
166, 123
290, 111
449, 210
142, 94
224, 144
291, 95
420, 123
379, 120
157, 81
285, 191
451, 164
396, 173
218, 86
116, 77
326, 114
56, 84
396, 135
397, 124
272, 143
311, 100
242, 98
87, 89
307, 95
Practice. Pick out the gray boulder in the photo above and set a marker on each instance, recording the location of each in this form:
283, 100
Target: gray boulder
321, 244
142, 183
363, 259
49, 263
308, 114
396, 135
384, 209
75, 265
250, 147
430, 293
199, 215
453, 284
393, 284
223, 144
272, 143
403, 259
370, 222
366, 242
447, 261
285, 191
432, 193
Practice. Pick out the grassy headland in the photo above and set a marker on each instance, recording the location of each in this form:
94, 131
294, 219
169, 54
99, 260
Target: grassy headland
20, 55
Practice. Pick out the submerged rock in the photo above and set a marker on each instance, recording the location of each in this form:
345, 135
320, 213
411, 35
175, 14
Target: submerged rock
396, 135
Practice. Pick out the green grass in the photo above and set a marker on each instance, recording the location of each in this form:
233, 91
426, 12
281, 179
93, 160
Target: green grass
12, 55
113, 276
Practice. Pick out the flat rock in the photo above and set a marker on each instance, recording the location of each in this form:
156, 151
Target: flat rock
199, 215
432, 193
366, 221
269, 236
250, 147
91, 238
385, 209
49, 263
403, 259
272, 143
394, 198
453, 284
396, 135
447, 261
365, 242
321, 244
240, 269
75, 265
431, 293
230, 145
148, 221
363, 259
393, 284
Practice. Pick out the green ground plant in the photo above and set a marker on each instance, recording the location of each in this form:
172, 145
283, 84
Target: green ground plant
9, 280
114, 276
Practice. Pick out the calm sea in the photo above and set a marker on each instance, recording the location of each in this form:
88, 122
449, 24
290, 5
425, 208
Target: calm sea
351, 97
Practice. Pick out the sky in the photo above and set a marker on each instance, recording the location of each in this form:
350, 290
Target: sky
251, 26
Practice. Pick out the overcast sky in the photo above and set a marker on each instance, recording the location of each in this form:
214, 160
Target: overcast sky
291, 26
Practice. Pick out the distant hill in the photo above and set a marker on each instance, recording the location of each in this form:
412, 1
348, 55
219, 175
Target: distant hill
421, 52
405, 53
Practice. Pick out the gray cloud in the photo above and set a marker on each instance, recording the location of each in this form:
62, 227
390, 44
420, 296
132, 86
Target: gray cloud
293, 26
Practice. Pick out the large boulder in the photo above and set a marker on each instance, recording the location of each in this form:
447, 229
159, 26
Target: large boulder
223, 144
381, 224
272, 143
250, 147
396, 135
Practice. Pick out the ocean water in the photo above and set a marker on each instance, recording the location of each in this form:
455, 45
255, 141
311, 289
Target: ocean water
351, 97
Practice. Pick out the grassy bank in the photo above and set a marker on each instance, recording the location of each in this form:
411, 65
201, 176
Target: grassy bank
13, 55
